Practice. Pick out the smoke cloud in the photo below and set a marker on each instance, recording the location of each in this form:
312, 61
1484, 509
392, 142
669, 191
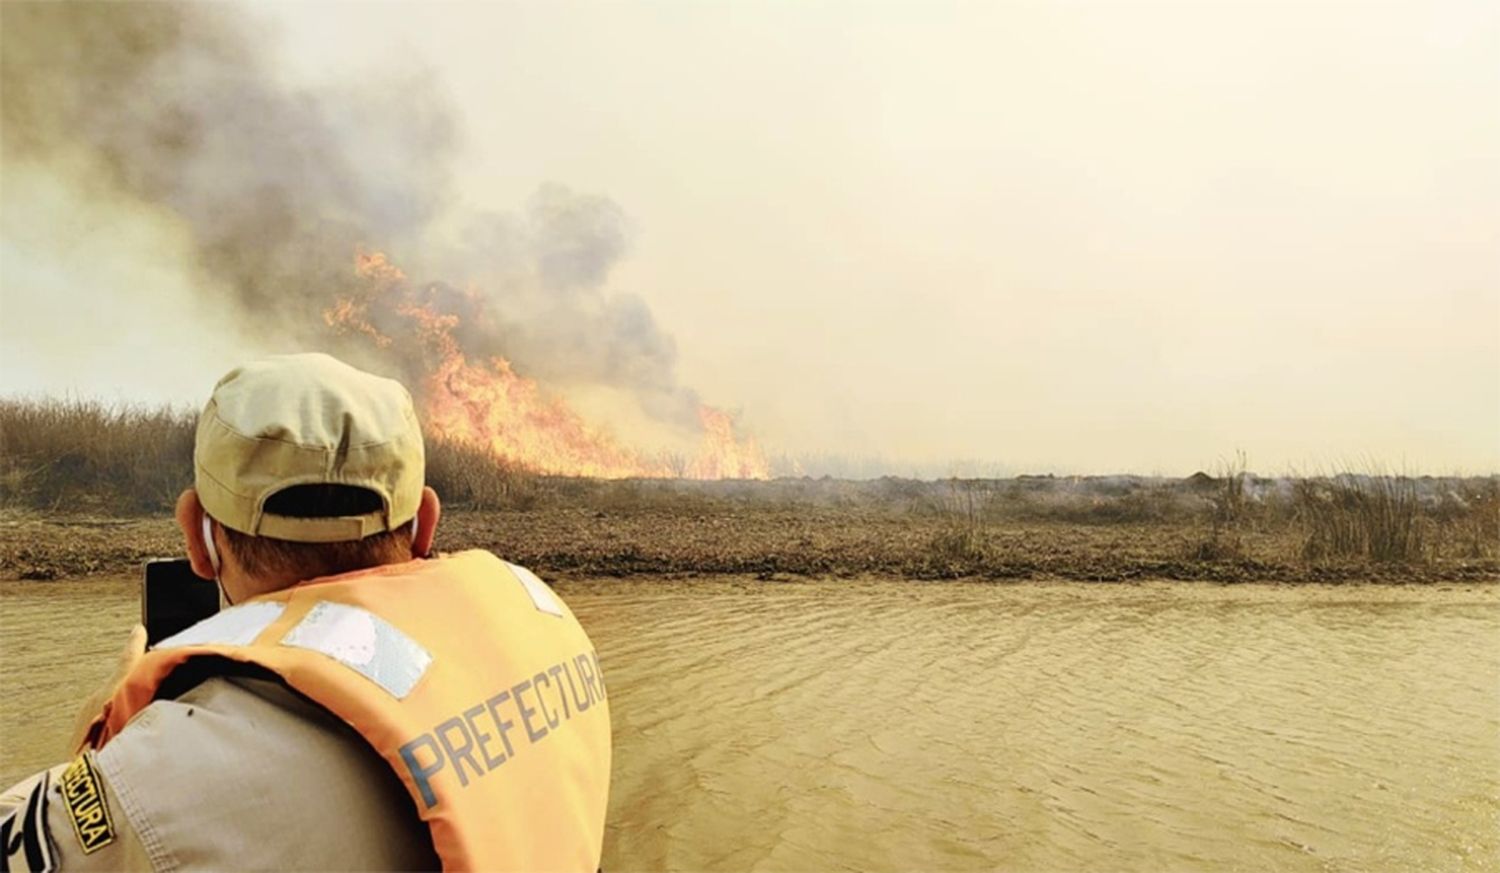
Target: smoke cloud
177, 110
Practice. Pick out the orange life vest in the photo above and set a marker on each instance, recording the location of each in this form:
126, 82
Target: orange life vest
466, 674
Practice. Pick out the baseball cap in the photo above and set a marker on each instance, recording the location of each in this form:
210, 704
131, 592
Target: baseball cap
307, 419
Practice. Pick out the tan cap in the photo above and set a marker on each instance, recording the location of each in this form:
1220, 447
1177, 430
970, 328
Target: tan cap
307, 419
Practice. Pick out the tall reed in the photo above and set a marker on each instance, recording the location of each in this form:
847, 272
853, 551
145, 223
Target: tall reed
84, 455
1376, 517
88, 455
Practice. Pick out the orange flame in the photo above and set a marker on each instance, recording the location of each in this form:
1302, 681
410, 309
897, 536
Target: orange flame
488, 404
723, 456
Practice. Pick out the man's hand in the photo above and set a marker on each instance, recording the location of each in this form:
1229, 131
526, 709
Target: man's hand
135, 647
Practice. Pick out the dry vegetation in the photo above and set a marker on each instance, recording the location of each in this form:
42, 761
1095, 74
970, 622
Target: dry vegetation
81, 456
85, 489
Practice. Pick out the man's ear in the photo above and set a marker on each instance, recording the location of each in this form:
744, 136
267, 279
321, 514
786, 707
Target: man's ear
189, 516
429, 511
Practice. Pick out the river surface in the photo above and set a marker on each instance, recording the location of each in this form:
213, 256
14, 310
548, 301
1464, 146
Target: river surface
901, 726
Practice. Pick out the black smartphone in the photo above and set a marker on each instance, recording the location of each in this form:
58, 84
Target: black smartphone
174, 598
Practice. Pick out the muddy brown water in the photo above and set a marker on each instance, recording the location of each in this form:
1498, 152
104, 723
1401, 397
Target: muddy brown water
900, 726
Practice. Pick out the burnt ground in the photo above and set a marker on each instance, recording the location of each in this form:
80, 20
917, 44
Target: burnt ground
769, 541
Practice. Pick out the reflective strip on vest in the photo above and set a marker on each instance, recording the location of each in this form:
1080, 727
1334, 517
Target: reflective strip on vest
541, 595
235, 626
365, 643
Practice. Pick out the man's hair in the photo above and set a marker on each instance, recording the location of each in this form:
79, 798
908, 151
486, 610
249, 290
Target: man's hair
266, 557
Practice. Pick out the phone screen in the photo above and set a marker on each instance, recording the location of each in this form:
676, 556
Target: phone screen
174, 598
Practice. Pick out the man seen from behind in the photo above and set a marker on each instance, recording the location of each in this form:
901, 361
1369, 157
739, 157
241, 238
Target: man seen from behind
358, 702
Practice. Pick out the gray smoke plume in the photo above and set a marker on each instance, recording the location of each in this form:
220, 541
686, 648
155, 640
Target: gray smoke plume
280, 185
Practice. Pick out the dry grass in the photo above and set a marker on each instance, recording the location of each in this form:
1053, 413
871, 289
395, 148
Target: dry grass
469, 476
87, 456
90, 457
91, 461
1355, 517
963, 535
1230, 514
1466, 521
1384, 518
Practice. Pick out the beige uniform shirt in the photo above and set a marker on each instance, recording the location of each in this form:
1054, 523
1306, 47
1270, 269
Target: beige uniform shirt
237, 773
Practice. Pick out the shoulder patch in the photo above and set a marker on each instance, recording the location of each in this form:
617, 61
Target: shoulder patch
87, 807
24, 841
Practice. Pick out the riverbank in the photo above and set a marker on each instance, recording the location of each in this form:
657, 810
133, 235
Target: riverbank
764, 540
117, 471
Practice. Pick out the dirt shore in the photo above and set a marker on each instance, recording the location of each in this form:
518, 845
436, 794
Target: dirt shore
767, 542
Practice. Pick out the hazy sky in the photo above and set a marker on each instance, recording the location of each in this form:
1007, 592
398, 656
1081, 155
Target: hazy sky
1079, 236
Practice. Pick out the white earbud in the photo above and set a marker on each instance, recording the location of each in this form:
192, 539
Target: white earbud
208, 543
213, 558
